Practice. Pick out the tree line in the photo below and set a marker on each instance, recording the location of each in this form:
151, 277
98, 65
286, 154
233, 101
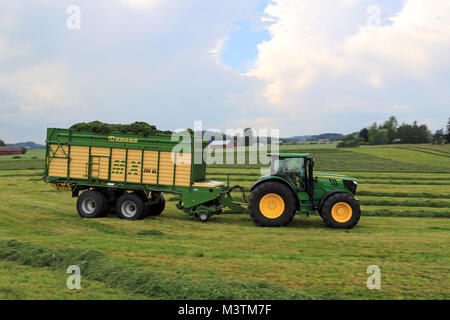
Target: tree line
441, 136
391, 132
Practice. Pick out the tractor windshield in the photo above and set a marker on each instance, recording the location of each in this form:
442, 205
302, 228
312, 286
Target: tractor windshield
290, 168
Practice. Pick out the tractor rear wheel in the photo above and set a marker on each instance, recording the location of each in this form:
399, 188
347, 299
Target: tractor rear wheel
92, 204
272, 204
341, 211
130, 206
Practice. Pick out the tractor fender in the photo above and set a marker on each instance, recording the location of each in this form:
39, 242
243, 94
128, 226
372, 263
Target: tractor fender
276, 179
326, 196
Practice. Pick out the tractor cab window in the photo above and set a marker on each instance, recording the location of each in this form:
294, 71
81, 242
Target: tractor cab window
290, 168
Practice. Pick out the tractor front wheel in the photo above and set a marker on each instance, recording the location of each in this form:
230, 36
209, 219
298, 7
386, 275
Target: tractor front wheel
341, 211
272, 204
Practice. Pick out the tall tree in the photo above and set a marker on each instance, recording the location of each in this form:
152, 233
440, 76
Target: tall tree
364, 134
1, 143
391, 127
414, 133
438, 137
378, 136
447, 136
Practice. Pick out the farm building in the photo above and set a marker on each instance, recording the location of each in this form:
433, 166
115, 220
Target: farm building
10, 150
225, 144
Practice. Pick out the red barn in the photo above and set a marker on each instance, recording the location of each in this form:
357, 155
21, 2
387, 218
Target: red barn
10, 150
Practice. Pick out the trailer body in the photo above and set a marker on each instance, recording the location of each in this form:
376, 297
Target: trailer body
79, 161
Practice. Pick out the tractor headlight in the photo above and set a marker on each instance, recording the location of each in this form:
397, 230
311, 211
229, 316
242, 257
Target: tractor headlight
350, 185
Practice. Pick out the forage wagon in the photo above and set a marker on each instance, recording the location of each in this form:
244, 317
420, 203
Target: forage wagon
130, 173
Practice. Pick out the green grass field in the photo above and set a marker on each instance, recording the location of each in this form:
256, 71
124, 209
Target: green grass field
405, 199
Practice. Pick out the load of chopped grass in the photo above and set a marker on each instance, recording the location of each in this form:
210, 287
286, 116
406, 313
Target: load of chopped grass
138, 127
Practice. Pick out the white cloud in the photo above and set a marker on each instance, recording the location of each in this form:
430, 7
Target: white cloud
40, 88
416, 44
147, 4
302, 46
400, 107
310, 45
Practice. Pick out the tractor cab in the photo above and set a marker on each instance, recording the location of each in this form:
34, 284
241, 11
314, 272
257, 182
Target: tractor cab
297, 168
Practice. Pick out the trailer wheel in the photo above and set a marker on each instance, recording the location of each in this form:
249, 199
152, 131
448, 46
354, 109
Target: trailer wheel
107, 207
157, 208
130, 207
91, 204
341, 211
272, 204
204, 216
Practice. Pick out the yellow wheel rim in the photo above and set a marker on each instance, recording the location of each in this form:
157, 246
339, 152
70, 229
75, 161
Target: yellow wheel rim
271, 206
341, 212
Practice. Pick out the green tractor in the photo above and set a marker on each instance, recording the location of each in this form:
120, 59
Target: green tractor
292, 186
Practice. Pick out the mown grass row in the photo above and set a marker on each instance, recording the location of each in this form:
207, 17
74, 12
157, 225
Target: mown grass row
428, 151
408, 157
153, 285
399, 194
408, 182
382, 211
20, 164
405, 202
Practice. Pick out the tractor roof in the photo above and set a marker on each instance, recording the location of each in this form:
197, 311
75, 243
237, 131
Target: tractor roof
289, 155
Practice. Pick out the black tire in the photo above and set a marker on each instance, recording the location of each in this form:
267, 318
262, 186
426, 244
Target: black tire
130, 206
107, 207
320, 212
345, 221
279, 189
203, 216
157, 208
92, 204
113, 202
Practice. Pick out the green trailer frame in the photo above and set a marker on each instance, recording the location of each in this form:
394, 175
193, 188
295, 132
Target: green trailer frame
194, 199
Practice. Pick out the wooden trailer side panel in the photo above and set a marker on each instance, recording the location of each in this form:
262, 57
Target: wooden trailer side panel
79, 157
118, 164
183, 169
100, 162
134, 159
57, 160
166, 168
150, 169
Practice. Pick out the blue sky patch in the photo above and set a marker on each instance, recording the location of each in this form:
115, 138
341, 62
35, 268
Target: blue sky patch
240, 50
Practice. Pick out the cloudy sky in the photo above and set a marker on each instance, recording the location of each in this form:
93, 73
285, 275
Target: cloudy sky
303, 66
